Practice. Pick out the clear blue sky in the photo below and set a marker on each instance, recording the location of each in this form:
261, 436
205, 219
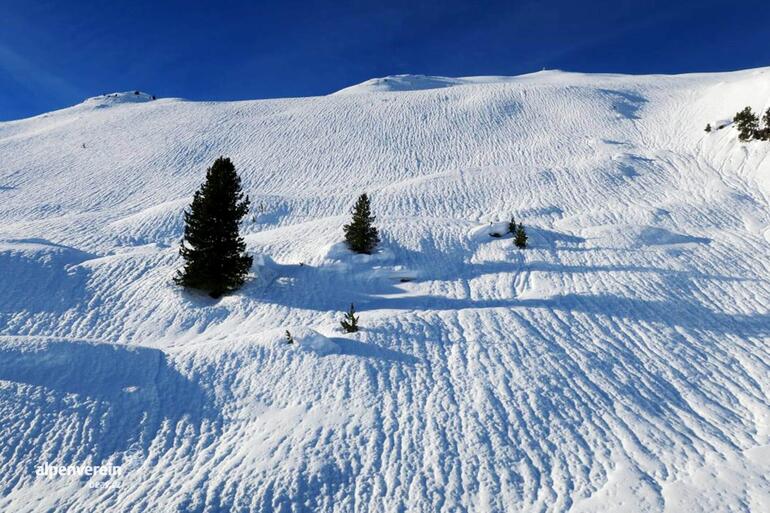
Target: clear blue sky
56, 53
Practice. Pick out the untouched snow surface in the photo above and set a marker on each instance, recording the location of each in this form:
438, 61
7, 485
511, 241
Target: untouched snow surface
619, 364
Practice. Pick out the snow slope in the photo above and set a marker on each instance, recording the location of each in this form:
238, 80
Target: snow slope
619, 364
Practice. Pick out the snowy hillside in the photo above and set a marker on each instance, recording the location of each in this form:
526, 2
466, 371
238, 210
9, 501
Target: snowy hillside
621, 363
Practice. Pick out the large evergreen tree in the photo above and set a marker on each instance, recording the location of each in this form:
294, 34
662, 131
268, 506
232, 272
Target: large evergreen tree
747, 123
360, 234
212, 248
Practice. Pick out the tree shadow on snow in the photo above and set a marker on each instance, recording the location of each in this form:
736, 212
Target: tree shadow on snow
673, 312
356, 348
477, 270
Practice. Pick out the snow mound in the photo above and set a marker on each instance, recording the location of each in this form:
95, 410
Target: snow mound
337, 256
495, 230
311, 341
263, 269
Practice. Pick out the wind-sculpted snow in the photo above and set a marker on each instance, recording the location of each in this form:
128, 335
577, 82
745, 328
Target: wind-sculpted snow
620, 363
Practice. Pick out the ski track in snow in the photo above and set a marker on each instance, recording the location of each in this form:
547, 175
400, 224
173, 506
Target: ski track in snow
619, 364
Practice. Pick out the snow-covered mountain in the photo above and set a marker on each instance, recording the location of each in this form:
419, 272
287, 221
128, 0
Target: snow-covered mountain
621, 363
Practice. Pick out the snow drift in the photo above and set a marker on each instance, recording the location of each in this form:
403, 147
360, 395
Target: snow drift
620, 363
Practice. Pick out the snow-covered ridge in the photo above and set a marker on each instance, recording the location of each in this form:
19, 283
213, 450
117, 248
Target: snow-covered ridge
411, 82
408, 82
618, 364
400, 83
119, 98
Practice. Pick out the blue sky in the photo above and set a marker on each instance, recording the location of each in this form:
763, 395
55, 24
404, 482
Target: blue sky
56, 53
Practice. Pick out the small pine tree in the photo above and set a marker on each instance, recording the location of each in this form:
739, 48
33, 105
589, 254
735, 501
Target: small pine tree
350, 322
764, 133
361, 235
747, 123
212, 248
512, 226
708, 128
289, 338
520, 239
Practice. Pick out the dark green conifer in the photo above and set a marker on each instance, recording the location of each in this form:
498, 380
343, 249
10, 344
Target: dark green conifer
213, 250
512, 226
350, 322
747, 124
361, 235
520, 238
764, 132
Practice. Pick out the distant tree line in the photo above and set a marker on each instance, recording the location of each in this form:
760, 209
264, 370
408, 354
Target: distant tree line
750, 127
